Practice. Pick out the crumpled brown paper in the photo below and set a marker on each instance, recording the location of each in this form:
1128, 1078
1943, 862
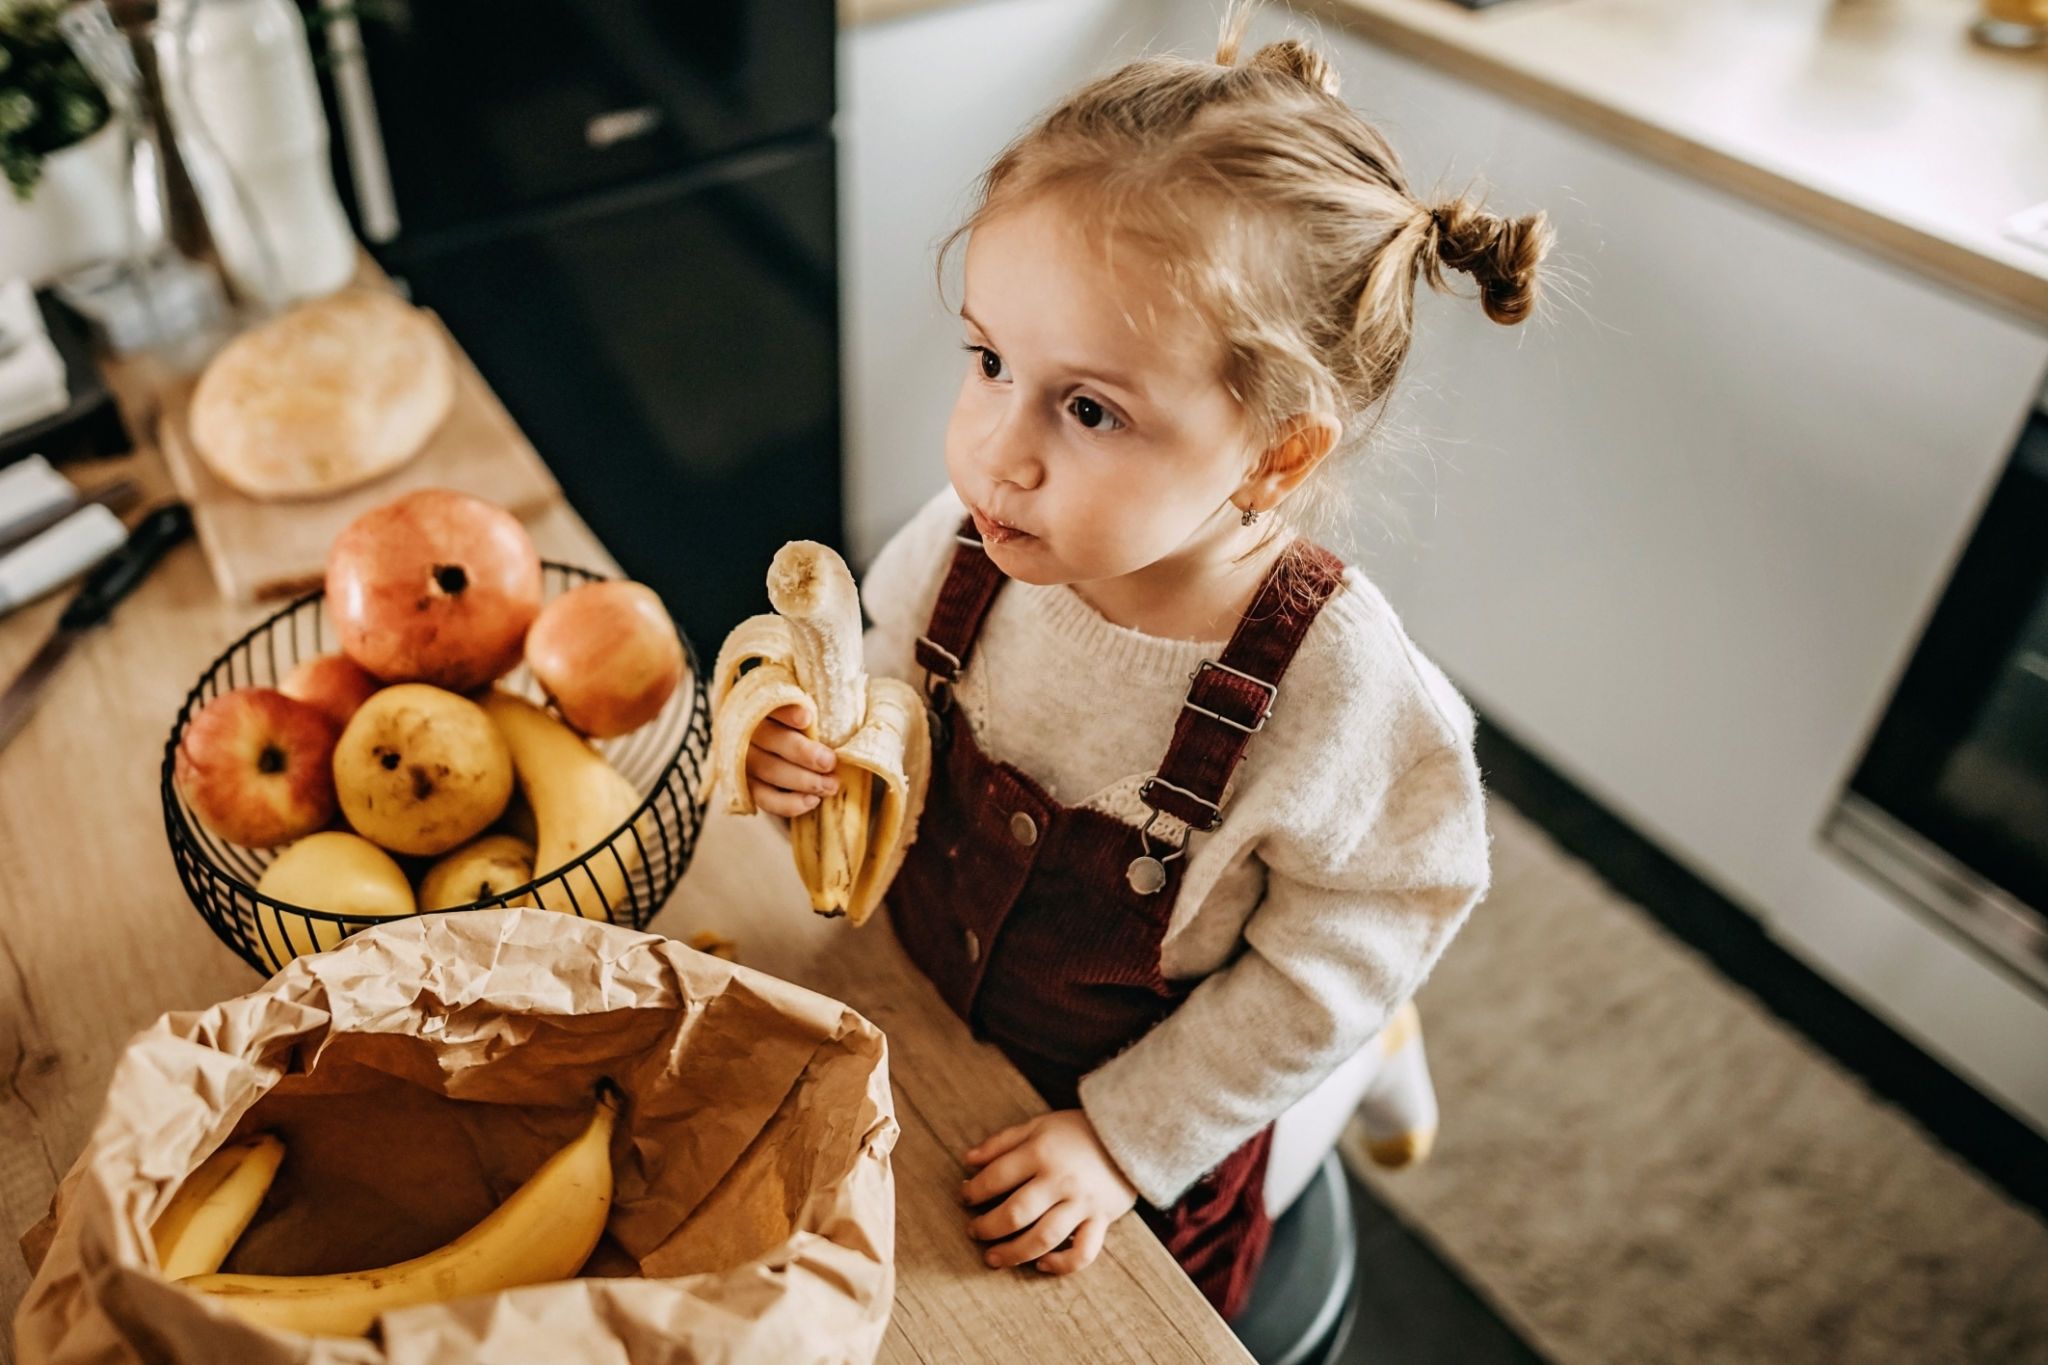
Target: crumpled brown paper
418, 1073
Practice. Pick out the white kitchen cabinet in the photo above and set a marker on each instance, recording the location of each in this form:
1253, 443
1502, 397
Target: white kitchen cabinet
1681, 534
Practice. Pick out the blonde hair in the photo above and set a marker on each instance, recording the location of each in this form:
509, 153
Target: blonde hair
1277, 214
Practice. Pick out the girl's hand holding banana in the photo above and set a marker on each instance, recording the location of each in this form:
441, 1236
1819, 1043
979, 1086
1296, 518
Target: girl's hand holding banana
789, 773
792, 683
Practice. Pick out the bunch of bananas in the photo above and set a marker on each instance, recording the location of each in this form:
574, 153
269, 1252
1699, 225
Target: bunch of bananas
545, 1230
849, 846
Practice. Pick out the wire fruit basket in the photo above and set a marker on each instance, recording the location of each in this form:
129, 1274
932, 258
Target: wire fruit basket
666, 760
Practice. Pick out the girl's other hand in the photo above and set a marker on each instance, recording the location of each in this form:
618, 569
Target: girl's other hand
788, 773
1063, 1185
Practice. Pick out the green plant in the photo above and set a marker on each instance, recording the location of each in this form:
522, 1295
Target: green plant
47, 101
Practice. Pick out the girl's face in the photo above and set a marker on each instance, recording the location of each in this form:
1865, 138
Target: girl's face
1092, 437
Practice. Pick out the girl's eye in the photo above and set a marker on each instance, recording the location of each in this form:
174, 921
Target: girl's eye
1087, 411
991, 364
1093, 415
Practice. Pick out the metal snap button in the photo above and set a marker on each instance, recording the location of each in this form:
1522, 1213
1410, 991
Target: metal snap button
973, 946
1023, 829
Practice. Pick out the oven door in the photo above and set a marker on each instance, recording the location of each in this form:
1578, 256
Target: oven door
1950, 802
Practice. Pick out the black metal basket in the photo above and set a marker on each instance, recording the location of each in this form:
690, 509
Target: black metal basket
666, 759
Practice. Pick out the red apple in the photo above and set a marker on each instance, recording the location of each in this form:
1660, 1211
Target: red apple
608, 655
436, 587
334, 683
257, 767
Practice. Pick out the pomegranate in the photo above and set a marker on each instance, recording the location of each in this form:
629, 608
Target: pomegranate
436, 587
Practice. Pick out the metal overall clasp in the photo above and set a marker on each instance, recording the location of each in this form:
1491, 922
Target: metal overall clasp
938, 692
1147, 872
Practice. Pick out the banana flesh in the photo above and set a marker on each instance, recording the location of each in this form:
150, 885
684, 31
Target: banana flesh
544, 1231
213, 1208
849, 847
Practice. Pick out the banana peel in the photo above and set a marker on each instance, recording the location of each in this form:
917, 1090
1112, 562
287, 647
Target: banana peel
215, 1206
849, 847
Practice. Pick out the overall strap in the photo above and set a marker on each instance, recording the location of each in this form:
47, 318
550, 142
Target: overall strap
1229, 698
964, 599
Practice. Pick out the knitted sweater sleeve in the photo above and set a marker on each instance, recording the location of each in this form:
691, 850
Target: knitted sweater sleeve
1357, 910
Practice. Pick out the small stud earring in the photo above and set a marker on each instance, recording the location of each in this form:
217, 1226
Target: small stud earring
1251, 514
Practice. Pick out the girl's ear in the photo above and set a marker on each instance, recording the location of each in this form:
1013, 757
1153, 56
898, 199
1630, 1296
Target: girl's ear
1303, 444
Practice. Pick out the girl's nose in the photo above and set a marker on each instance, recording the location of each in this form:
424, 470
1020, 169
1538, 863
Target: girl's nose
1010, 451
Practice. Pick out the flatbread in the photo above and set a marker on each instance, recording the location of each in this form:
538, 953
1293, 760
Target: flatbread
334, 393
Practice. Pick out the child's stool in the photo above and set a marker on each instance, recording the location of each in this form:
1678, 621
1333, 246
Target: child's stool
1305, 1301
1386, 1085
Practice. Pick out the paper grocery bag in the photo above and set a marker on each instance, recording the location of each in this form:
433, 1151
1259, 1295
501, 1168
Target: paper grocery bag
418, 1074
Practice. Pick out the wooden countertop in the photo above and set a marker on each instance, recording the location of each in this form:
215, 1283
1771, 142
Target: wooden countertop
97, 939
1877, 122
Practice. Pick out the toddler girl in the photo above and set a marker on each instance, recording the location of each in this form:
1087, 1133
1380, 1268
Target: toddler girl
1202, 818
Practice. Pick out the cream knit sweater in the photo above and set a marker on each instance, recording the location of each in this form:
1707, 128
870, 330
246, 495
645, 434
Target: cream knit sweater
1352, 848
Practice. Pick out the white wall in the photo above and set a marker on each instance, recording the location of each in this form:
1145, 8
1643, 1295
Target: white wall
926, 102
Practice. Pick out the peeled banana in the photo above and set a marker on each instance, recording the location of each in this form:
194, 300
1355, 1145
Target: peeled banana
578, 801
848, 847
213, 1208
544, 1231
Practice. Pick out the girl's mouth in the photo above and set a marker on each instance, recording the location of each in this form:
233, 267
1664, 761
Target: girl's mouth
994, 532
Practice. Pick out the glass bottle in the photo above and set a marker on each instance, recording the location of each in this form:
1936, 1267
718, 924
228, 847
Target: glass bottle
238, 81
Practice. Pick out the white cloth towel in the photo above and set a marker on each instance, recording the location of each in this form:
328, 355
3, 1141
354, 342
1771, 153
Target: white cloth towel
32, 382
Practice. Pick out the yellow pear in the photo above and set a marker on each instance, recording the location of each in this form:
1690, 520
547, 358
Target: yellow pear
477, 871
421, 770
341, 873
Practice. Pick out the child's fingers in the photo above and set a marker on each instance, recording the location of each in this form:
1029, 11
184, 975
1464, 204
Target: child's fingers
1087, 1246
763, 766
1014, 1214
1037, 1240
789, 742
1000, 1176
776, 801
989, 1148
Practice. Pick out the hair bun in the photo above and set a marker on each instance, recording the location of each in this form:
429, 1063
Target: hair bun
1292, 57
1500, 253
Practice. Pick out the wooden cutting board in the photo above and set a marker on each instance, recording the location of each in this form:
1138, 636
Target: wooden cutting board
265, 550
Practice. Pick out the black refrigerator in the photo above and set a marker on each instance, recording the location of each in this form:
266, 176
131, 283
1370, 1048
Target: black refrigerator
625, 210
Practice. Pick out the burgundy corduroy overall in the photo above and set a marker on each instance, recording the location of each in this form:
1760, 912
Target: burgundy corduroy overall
1022, 912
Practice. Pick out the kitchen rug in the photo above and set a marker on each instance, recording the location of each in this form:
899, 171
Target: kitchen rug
1638, 1162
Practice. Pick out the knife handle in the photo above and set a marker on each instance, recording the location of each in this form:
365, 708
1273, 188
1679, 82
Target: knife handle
117, 576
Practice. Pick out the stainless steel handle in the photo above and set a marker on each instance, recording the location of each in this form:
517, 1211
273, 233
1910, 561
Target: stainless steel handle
621, 125
369, 168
